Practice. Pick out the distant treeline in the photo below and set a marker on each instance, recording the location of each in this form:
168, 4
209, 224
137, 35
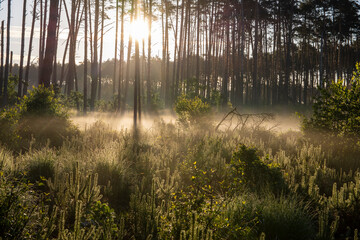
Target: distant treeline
253, 52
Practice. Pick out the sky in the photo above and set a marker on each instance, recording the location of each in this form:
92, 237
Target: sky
109, 37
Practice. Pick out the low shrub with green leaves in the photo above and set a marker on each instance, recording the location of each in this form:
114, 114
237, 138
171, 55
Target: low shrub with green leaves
39, 115
337, 109
191, 110
249, 169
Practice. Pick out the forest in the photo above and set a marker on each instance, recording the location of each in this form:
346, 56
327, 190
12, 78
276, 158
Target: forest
180, 119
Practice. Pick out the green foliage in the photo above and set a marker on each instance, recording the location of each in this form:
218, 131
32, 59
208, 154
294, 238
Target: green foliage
170, 183
285, 218
39, 116
42, 167
117, 189
337, 109
75, 100
248, 168
14, 210
13, 82
157, 103
191, 110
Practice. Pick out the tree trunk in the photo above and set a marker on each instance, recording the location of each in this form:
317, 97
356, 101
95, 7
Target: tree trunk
128, 62
101, 48
137, 70
46, 69
71, 67
85, 56
2, 59
94, 64
148, 80
22, 50
26, 83
11, 62
121, 69
6, 77
116, 47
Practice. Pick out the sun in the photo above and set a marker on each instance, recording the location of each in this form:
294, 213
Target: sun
139, 29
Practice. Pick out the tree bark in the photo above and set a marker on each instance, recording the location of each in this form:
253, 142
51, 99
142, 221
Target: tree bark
6, 77
2, 59
46, 69
94, 64
22, 50
26, 83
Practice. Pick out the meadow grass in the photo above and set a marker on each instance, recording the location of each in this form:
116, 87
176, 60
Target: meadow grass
175, 182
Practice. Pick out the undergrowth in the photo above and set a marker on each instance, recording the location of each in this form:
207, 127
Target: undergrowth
170, 183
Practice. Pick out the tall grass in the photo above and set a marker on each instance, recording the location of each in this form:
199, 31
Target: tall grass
172, 183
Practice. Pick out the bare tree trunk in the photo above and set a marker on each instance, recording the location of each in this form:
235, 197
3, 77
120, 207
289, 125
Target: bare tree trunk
255, 80
168, 94
225, 83
148, 80
180, 49
85, 56
128, 62
40, 36
101, 47
46, 69
63, 63
198, 50
54, 73
26, 83
121, 68
2, 59
11, 62
22, 50
94, 64
6, 77
137, 70
116, 47
71, 68
174, 84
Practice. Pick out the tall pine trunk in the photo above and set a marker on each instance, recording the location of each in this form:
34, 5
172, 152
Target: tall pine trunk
85, 55
46, 69
22, 50
6, 76
101, 47
121, 68
148, 79
26, 82
116, 47
2, 59
94, 64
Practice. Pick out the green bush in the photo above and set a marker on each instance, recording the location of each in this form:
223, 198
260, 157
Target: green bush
285, 218
191, 110
41, 166
117, 191
249, 170
39, 116
337, 109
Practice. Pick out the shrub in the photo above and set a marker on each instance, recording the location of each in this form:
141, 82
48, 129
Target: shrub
39, 116
337, 109
41, 166
285, 218
191, 110
247, 168
117, 190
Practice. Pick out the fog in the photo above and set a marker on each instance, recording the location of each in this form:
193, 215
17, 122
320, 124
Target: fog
116, 121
